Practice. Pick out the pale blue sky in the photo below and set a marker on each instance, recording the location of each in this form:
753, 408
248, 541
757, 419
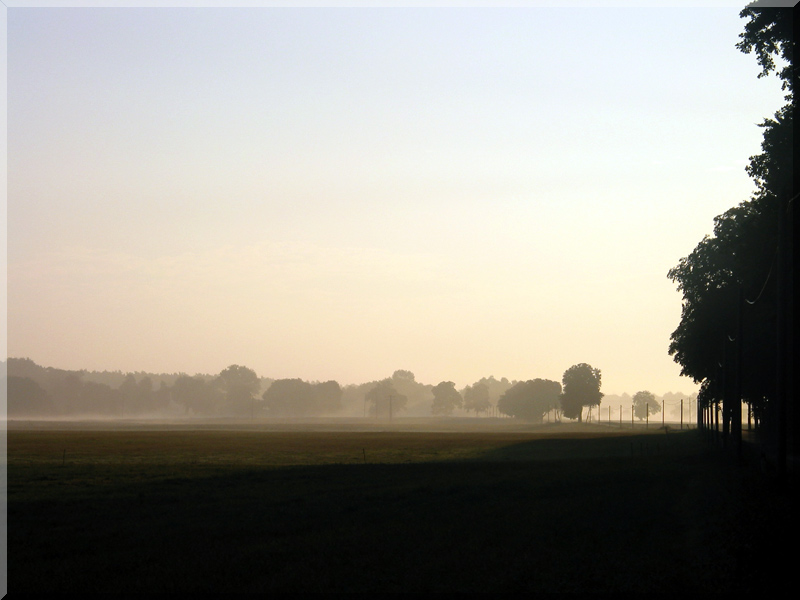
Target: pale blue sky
339, 193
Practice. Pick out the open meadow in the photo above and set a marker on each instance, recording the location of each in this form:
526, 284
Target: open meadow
483, 505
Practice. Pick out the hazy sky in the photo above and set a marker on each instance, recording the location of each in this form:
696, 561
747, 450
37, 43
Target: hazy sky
336, 193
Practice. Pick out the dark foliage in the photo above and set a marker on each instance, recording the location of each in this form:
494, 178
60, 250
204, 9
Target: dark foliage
733, 274
298, 398
384, 401
445, 398
476, 397
581, 388
530, 400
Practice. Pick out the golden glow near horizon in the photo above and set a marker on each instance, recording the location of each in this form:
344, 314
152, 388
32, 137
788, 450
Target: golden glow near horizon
340, 193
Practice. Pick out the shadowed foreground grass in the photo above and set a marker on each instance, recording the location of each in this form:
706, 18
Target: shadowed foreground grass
226, 511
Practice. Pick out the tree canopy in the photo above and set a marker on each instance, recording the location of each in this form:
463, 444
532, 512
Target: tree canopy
644, 403
769, 33
476, 397
530, 400
731, 281
445, 398
298, 398
384, 400
581, 388
26, 398
196, 395
239, 386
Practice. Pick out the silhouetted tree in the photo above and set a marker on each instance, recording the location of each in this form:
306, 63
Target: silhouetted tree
240, 386
402, 374
162, 397
298, 398
476, 397
418, 395
66, 387
328, 397
128, 394
581, 388
644, 401
445, 398
738, 255
530, 400
136, 397
26, 398
496, 387
196, 395
770, 33
100, 399
111, 393
25, 367
744, 255
288, 397
383, 398
145, 399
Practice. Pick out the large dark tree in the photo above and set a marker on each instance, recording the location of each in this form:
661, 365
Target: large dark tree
581, 388
769, 33
735, 282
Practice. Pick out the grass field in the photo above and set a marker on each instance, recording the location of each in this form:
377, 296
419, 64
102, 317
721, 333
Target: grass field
354, 507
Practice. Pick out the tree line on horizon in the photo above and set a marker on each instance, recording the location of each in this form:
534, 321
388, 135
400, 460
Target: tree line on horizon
38, 392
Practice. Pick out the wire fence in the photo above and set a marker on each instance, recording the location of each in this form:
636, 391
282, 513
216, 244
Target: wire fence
682, 415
